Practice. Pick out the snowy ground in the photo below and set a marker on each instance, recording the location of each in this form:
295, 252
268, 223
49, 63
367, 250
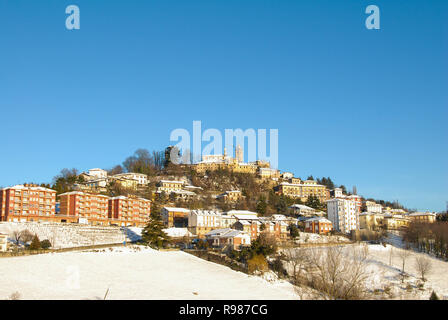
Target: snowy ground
131, 274
437, 279
307, 238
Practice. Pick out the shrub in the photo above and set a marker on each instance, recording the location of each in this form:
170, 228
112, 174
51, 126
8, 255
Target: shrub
45, 244
257, 263
278, 268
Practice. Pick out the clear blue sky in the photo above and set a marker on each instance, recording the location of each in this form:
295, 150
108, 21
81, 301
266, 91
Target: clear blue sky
365, 107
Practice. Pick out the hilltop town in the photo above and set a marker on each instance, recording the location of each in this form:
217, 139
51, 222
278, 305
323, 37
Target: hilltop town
240, 214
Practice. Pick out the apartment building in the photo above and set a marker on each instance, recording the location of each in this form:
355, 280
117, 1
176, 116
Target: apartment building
27, 202
129, 211
97, 209
343, 214
86, 208
202, 221
302, 190
175, 217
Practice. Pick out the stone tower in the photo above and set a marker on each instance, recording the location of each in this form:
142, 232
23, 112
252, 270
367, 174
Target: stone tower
239, 154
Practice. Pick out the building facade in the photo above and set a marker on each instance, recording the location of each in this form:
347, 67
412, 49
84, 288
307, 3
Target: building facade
318, 225
23, 203
302, 190
343, 214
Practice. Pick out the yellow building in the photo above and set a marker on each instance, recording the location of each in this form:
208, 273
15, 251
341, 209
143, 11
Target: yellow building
426, 217
231, 196
371, 221
169, 186
225, 162
396, 222
303, 191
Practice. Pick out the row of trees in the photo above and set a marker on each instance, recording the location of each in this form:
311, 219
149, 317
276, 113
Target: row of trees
429, 237
29, 240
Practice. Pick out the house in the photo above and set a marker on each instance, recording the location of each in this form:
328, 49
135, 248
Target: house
318, 225
202, 221
3, 242
277, 228
228, 237
371, 220
169, 186
426, 217
302, 210
252, 228
175, 217
231, 196
130, 180
372, 206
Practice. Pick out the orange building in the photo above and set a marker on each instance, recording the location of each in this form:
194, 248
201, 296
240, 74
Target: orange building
318, 225
97, 209
80, 207
132, 211
23, 203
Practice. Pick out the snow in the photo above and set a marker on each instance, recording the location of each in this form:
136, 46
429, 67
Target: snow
133, 272
385, 272
308, 237
178, 232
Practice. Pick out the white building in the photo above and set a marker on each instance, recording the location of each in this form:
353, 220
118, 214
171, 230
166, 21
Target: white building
96, 173
337, 193
140, 178
373, 207
204, 218
344, 214
3, 242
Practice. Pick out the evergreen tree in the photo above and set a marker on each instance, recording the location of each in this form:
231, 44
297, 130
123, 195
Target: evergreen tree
261, 206
153, 234
281, 205
293, 231
434, 296
35, 244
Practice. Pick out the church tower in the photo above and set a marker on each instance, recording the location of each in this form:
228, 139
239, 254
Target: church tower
239, 155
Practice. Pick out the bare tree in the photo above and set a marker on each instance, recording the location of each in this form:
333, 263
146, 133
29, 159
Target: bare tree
296, 260
335, 274
391, 254
423, 266
17, 236
23, 236
27, 236
404, 255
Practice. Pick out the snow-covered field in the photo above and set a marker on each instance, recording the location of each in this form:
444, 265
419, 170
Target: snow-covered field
387, 271
131, 274
384, 270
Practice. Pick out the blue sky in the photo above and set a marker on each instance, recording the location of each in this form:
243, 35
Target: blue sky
365, 107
